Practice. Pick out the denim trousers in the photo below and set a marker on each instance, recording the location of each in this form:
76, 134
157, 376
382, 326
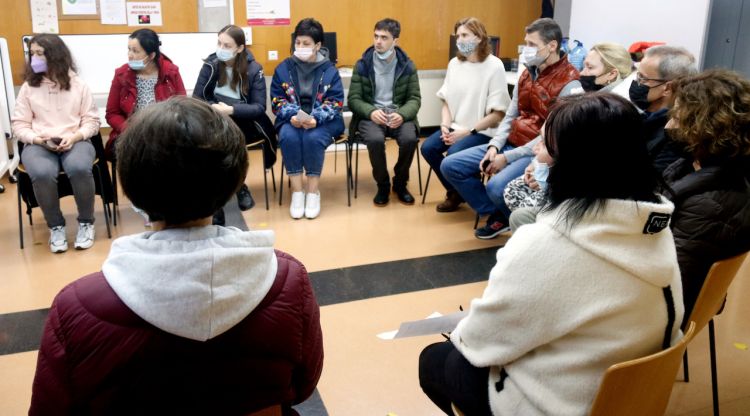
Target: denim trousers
304, 149
462, 171
433, 149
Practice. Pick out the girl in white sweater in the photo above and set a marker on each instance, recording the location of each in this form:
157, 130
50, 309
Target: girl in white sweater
593, 282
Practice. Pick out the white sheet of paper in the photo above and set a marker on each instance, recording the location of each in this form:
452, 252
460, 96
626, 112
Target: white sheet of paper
43, 16
214, 3
113, 12
146, 13
436, 323
429, 326
303, 116
73, 7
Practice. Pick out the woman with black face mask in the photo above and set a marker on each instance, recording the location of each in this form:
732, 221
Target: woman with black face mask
605, 66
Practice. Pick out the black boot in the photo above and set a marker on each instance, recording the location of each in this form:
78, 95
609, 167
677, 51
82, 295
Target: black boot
244, 199
219, 217
382, 197
403, 194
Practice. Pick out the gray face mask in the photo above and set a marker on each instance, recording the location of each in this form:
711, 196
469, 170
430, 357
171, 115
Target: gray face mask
385, 55
467, 47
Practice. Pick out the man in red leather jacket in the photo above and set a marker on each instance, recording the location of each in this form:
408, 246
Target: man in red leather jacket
190, 318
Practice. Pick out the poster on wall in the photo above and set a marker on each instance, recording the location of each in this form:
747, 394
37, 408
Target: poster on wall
113, 12
144, 13
44, 16
75, 7
268, 13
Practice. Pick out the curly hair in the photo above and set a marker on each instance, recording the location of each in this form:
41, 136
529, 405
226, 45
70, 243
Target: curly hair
711, 112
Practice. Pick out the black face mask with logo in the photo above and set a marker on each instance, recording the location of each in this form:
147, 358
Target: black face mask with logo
588, 82
639, 95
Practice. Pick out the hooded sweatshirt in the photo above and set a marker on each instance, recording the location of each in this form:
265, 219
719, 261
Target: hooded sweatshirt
562, 305
192, 282
205, 320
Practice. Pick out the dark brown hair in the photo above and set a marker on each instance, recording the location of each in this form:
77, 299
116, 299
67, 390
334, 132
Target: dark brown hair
59, 62
476, 27
180, 160
239, 67
712, 115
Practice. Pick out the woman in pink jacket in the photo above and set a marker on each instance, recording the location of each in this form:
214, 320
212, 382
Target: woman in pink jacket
55, 117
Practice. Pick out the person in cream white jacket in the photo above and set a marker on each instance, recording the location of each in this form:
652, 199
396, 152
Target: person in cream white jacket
594, 282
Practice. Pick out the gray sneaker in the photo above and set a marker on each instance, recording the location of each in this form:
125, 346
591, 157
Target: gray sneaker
58, 243
85, 236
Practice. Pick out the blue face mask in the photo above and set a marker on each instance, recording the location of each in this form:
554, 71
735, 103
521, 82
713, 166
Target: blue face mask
224, 54
541, 172
137, 65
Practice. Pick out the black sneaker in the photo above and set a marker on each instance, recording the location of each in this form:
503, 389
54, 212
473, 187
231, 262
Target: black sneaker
403, 194
381, 198
496, 225
244, 199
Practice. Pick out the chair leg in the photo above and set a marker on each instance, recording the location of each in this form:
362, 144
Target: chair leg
426, 185
348, 175
273, 179
20, 216
105, 207
476, 221
115, 202
419, 169
714, 382
281, 182
356, 172
335, 156
265, 173
685, 367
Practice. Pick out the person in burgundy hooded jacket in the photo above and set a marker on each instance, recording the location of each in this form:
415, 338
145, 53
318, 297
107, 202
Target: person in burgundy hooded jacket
191, 318
148, 77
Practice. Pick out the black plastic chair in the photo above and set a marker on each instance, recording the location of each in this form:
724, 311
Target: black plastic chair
102, 182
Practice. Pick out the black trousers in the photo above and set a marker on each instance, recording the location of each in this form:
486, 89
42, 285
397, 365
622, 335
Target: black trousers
374, 137
447, 377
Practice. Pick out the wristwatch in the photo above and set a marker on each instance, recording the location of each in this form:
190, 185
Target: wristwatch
473, 131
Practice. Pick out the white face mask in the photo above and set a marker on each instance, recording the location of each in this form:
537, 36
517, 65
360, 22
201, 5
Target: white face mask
530, 57
385, 55
303, 53
225, 54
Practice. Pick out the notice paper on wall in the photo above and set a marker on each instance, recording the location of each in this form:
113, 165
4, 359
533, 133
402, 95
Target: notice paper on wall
113, 12
144, 13
214, 3
43, 16
268, 13
73, 7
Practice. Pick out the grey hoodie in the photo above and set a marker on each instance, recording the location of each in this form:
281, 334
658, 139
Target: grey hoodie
192, 282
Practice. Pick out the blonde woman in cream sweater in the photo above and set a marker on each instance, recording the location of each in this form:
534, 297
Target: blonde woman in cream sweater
593, 282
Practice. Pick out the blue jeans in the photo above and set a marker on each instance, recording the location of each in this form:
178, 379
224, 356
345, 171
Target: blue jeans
433, 149
462, 171
304, 149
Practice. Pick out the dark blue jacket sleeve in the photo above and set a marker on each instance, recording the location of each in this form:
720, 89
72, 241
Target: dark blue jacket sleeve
200, 85
256, 95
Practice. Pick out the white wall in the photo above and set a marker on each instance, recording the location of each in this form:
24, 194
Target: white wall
676, 22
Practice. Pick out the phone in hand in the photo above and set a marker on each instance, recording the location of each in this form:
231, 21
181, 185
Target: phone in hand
56, 140
485, 164
302, 116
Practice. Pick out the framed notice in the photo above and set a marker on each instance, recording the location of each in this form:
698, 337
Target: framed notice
268, 13
144, 13
77, 9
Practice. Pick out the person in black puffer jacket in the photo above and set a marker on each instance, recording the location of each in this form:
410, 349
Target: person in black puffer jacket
711, 191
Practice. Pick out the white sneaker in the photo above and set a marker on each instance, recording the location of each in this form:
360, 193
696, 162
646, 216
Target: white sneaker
312, 205
297, 209
58, 243
85, 236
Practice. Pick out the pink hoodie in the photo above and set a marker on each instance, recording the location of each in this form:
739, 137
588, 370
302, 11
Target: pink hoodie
47, 111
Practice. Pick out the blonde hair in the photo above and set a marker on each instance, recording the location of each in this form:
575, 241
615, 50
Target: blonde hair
614, 57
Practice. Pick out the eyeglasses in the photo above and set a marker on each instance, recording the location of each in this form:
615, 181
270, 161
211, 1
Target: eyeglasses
642, 80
